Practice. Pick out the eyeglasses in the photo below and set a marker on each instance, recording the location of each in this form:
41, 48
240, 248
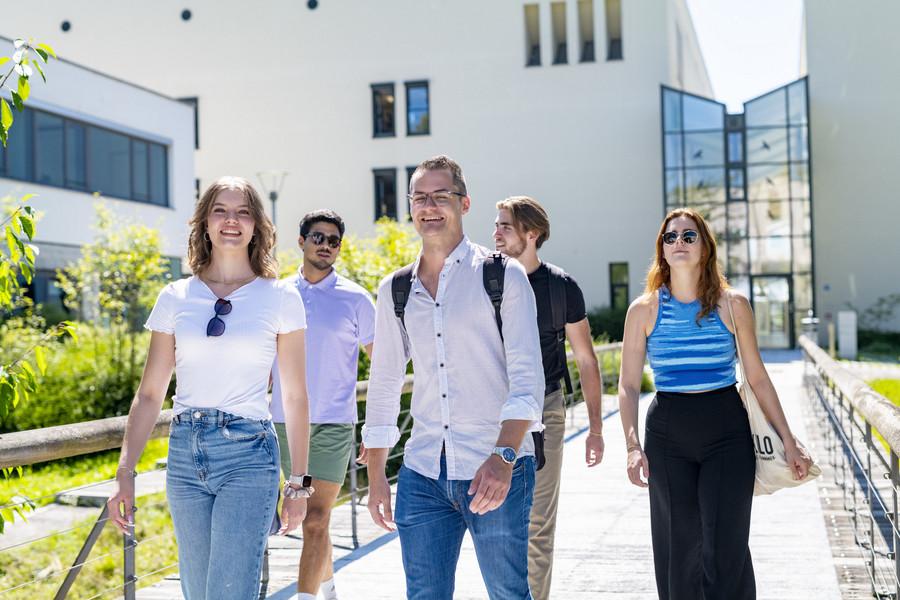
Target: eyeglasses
439, 197
318, 238
688, 236
216, 326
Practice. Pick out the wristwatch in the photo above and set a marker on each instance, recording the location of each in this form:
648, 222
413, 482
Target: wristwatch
298, 486
506, 453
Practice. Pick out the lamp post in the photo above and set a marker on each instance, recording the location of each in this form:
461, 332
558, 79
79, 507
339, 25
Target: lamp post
272, 182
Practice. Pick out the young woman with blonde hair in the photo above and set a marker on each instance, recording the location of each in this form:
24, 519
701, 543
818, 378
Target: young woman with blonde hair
219, 330
698, 458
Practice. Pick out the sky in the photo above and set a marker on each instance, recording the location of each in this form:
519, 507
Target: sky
750, 46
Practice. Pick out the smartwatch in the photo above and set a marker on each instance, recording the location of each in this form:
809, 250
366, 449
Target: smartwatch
506, 453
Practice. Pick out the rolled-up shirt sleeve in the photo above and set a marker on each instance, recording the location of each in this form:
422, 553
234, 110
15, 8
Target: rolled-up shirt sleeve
386, 374
524, 367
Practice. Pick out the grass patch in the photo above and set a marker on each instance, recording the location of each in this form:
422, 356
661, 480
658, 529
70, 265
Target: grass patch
40, 482
47, 560
889, 388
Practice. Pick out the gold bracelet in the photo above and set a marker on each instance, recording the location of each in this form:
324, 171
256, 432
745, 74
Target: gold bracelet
595, 433
633, 447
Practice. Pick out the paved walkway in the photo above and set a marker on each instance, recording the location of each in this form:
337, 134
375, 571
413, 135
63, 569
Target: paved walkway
603, 536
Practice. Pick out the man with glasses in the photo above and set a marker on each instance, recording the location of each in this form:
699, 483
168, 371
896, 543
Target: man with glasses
521, 228
468, 464
341, 318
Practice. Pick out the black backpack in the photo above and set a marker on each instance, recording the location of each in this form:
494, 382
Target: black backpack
493, 276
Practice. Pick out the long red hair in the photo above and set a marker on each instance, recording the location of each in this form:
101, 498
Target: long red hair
712, 283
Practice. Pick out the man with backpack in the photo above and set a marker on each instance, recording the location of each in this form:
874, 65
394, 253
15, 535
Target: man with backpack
469, 463
521, 228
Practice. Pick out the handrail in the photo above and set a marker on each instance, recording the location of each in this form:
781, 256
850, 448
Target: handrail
63, 441
880, 412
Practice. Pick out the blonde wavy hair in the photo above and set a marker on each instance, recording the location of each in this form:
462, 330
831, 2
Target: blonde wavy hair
261, 250
712, 283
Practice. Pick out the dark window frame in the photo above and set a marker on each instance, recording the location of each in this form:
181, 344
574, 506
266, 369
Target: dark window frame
378, 88
32, 162
392, 173
412, 85
614, 286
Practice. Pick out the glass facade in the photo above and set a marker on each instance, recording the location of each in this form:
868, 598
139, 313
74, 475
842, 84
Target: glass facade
58, 151
749, 176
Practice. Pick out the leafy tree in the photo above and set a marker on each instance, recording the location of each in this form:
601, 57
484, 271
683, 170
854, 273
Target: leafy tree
18, 376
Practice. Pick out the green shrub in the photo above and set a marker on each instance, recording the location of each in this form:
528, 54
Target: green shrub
92, 378
607, 323
879, 344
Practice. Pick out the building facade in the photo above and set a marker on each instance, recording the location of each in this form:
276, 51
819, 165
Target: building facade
84, 136
554, 99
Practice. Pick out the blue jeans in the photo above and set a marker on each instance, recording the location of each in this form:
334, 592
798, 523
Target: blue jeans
222, 485
432, 516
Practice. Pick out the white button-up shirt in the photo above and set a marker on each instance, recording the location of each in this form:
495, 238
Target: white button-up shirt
467, 379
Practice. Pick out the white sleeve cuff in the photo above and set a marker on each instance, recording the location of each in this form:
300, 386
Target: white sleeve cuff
380, 436
521, 408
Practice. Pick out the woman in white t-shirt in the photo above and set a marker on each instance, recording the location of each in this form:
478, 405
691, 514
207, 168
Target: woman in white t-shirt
220, 330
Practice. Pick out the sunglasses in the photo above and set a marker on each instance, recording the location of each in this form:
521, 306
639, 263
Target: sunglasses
688, 236
216, 326
318, 238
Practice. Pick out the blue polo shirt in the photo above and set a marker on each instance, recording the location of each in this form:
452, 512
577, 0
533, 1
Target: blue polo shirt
340, 318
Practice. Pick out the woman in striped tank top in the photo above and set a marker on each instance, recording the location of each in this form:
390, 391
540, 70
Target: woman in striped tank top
698, 457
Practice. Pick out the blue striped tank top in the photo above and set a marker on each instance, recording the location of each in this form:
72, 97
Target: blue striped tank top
686, 356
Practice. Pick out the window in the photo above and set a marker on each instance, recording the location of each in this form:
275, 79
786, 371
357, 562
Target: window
109, 168
383, 109
48, 138
76, 167
532, 35
418, 115
194, 102
409, 174
385, 193
586, 29
735, 146
558, 21
618, 285
613, 29
61, 152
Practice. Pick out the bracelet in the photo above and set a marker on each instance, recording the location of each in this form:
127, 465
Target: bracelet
131, 472
595, 433
290, 491
634, 447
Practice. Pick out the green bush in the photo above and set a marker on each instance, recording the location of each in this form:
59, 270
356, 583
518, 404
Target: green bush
607, 323
91, 378
879, 344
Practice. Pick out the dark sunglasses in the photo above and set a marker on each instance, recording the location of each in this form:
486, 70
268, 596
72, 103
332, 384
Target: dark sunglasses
318, 238
216, 326
688, 236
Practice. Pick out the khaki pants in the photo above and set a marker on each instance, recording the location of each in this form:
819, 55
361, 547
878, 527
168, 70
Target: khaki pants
546, 498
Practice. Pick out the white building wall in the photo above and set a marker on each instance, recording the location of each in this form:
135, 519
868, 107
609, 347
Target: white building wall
283, 87
68, 215
687, 70
852, 49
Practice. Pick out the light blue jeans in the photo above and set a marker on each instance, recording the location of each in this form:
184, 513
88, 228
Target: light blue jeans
432, 516
222, 485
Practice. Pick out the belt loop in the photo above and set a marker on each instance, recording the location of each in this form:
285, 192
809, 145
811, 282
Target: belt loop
220, 418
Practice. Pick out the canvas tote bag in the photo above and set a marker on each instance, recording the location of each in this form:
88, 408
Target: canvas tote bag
772, 470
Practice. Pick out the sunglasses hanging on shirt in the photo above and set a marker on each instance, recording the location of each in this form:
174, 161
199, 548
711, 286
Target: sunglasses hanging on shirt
216, 326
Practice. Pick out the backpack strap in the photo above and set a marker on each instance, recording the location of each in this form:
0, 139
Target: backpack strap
401, 284
493, 274
557, 282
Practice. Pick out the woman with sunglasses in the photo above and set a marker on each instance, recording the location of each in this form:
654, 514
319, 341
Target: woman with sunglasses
698, 458
219, 330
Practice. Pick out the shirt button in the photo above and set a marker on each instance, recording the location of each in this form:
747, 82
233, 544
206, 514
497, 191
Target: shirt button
442, 364
443, 395
439, 334
437, 304
446, 427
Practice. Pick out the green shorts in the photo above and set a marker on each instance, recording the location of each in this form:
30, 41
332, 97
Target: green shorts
330, 447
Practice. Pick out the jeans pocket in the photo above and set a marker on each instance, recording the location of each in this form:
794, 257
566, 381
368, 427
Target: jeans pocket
242, 430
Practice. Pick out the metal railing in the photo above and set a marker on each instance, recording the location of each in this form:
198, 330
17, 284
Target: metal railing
52, 443
861, 432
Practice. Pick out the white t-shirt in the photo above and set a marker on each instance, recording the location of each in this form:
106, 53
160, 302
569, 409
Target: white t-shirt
229, 372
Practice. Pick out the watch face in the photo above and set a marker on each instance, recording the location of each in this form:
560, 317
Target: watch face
509, 455
307, 481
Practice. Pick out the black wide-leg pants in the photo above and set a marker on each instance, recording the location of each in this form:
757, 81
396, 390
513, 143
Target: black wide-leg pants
702, 466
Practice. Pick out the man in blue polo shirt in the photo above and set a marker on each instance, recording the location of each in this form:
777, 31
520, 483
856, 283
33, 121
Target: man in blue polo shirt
341, 318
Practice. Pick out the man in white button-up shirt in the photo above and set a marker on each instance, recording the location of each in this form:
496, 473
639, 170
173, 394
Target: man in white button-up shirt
468, 464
